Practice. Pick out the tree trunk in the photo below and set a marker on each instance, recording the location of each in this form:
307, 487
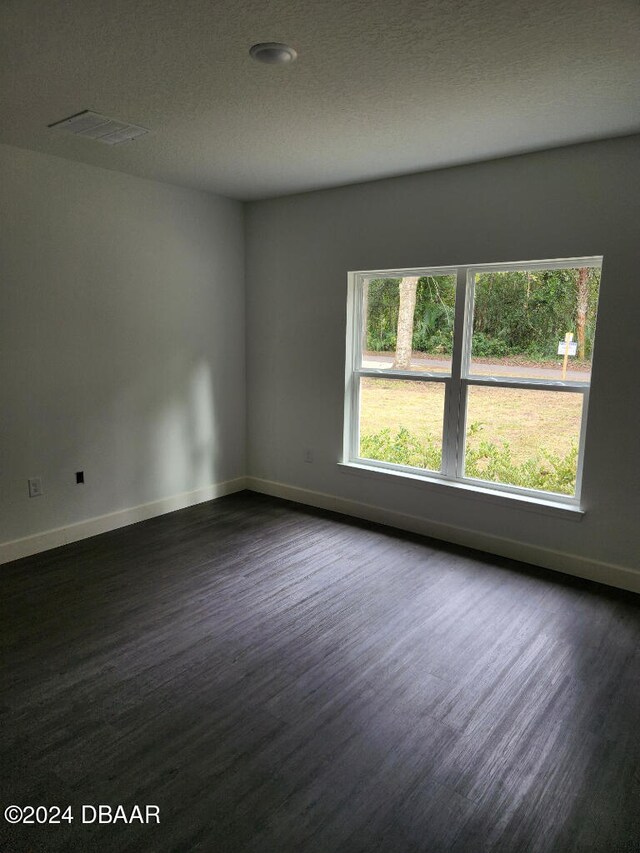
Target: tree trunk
582, 304
408, 288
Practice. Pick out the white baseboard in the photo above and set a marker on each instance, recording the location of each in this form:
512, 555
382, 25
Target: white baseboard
29, 545
607, 573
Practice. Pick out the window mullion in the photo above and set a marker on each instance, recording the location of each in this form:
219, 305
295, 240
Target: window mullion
454, 415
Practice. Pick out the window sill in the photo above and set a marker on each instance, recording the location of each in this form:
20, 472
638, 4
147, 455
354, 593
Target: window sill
545, 506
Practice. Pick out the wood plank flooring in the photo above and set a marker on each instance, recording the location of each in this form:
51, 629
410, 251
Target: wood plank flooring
277, 678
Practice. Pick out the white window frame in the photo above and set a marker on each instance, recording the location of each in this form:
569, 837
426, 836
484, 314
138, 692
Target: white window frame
456, 383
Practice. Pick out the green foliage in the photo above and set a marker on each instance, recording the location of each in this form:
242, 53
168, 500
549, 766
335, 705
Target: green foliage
518, 313
402, 449
439, 343
547, 471
383, 302
524, 313
486, 346
433, 318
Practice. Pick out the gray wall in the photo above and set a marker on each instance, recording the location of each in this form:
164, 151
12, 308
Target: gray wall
121, 341
576, 201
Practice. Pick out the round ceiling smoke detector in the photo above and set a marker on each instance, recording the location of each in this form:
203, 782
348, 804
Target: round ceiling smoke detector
273, 53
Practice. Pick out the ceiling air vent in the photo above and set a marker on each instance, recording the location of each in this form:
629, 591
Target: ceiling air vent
103, 129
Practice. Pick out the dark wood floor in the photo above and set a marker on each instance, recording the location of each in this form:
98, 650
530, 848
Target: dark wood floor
282, 679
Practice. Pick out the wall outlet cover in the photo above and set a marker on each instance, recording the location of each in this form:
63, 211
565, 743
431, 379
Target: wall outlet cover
35, 487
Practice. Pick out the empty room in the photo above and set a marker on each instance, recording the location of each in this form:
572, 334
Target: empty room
319, 467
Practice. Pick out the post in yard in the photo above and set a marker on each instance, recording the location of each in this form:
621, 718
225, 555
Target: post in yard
567, 340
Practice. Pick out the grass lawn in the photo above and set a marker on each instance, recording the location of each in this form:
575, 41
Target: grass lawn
529, 421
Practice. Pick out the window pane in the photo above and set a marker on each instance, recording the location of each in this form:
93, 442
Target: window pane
523, 438
401, 422
409, 323
521, 320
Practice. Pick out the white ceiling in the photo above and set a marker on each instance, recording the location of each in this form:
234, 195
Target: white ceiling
381, 87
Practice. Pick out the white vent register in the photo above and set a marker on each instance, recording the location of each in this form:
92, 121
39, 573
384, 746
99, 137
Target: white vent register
95, 126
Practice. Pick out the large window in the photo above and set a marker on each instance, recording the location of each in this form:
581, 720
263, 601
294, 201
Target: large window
477, 375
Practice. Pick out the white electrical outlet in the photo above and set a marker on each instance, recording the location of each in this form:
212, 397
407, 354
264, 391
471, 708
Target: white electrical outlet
35, 487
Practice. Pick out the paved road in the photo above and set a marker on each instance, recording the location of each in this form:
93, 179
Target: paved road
515, 371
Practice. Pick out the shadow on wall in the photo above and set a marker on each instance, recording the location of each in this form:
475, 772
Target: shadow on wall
182, 448
158, 434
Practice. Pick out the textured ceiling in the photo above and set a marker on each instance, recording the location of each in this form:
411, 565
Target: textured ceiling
381, 87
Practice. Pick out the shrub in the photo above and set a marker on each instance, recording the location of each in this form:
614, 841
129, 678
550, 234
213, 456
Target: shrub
381, 340
402, 449
546, 471
485, 345
439, 343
